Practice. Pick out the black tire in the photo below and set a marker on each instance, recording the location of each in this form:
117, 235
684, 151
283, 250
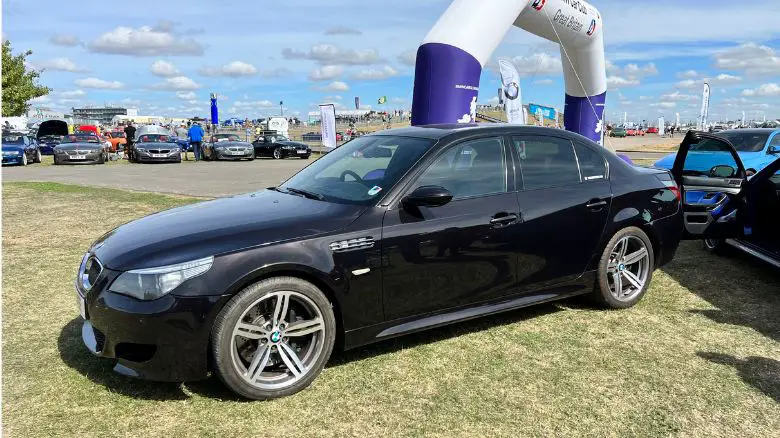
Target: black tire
252, 157
56, 162
277, 154
715, 246
305, 157
222, 335
38, 156
102, 159
602, 293
24, 159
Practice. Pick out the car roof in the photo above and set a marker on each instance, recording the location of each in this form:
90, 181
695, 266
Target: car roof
437, 132
752, 130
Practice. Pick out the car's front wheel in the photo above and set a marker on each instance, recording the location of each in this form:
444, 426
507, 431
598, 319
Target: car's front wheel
625, 269
273, 338
715, 246
38, 156
277, 154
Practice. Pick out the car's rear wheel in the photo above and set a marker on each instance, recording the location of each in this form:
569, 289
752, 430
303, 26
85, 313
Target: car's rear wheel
625, 269
277, 154
273, 338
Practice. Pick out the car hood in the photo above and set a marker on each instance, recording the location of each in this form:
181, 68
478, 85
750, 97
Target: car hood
80, 146
704, 161
231, 144
218, 227
157, 145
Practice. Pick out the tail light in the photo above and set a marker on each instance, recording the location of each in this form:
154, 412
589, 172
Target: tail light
671, 184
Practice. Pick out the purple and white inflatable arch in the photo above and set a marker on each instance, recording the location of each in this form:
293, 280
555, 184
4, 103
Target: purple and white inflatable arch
451, 58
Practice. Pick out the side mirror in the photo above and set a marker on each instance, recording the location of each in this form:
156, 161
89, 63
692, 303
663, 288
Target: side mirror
427, 196
774, 150
722, 171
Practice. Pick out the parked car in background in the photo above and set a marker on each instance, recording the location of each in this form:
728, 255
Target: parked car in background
312, 136
278, 147
117, 139
91, 129
20, 149
80, 148
394, 232
50, 134
618, 132
726, 205
227, 147
156, 148
756, 147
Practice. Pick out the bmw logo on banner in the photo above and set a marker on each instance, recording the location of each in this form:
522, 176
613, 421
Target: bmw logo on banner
592, 27
538, 4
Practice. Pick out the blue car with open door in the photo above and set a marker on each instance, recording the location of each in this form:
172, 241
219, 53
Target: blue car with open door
723, 205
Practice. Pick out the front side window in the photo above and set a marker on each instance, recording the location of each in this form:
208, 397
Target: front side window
546, 161
468, 169
361, 171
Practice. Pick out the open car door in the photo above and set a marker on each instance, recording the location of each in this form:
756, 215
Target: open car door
712, 179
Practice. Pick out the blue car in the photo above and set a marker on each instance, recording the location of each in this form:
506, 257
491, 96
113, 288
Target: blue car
50, 134
755, 147
183, 142
20, 149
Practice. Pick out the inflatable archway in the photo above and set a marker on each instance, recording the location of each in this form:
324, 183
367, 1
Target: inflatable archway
451, 58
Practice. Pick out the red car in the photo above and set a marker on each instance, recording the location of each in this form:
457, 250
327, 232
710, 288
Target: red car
630, 132
652, 130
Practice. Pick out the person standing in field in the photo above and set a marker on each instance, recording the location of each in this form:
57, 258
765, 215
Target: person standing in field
196, 137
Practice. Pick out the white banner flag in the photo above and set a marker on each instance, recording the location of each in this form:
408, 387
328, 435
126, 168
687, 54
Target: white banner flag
705, 108
328, 125
513, 101
661, 126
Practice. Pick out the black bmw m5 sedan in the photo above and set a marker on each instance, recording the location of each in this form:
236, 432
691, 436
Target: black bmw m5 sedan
391, 233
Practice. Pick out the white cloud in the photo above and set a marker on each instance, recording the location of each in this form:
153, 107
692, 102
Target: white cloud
72, 93
40, 99
677, 96
177, 83
164, 69
766, 90
690, 83
326, 73
233, 69
336, 97
99, 84
334, 86
342, 30
65, 40
189, 95
664, 104
374, 74
620, 82
688, 74
145, 41
538, 64
755, 60
408, 58
543, 82
328, 54
724, 79
60, 64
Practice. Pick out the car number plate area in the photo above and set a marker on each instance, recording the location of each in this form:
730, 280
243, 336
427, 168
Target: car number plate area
236, 152
78, 157
300, 152
158, 155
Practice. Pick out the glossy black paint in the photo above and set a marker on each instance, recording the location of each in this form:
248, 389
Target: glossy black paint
428, 266
271, 146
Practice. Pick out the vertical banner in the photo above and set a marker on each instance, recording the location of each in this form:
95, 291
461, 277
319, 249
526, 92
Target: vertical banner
743, 119
214, 111
328, 125
677, 124
705, 108
510, 82
661, 126
357, 102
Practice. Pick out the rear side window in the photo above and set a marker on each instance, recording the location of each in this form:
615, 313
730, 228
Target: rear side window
592, 165
546, 161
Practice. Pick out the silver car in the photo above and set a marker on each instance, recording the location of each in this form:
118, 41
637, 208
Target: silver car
80, 149
228, 147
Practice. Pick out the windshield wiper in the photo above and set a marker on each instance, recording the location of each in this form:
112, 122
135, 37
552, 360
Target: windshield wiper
307, 194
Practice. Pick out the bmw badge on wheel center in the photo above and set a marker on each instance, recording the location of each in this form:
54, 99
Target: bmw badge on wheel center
391, 233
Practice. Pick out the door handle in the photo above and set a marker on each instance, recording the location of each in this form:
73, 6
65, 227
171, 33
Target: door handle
596, 203
502, 219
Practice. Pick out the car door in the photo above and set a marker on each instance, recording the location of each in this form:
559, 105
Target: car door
713, 182
565, 199
459, 253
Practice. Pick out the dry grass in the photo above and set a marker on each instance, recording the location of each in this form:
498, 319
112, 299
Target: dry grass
699, 356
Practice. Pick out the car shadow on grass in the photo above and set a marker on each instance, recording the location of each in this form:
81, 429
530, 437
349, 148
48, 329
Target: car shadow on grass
100, 370
761, 373
743, 289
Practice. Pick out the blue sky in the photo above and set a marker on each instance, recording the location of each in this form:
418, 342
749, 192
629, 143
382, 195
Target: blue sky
165, 57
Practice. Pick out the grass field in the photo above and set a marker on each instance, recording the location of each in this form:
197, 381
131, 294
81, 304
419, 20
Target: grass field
699, 356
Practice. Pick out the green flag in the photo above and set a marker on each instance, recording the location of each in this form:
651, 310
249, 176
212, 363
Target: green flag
382, 100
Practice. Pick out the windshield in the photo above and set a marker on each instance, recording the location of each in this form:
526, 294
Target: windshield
746, 141
226, 137
360, 171
80, 138
154, 138
13, 139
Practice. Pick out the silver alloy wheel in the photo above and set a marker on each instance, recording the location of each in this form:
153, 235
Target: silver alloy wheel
24, 158
38, 156
277, 153
711, 243
628, 268
277, 340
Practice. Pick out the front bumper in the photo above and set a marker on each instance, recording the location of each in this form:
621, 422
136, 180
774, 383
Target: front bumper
12, 159
91, 158
222, 155
145, 157
163, 340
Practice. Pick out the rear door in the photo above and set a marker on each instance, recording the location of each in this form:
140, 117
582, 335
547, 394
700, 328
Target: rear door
712, 179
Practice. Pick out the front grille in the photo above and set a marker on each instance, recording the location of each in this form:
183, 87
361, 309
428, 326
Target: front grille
100, 339
160, 151
90, 271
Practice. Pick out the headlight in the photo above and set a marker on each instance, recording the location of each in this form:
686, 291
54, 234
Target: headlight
61, 151
152, 283
141, 149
